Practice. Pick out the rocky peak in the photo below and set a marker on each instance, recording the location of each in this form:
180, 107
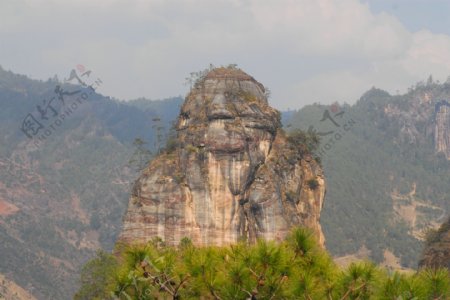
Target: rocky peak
233, 176
423, 115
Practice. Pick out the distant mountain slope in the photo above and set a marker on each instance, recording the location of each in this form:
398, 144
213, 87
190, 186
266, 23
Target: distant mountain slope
64, 199
9, 290
387, 179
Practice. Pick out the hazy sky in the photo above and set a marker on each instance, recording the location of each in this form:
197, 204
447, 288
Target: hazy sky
305, 51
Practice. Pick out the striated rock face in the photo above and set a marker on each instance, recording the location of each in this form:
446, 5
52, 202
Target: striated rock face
437, 252
442, 128
233, 175
423, 118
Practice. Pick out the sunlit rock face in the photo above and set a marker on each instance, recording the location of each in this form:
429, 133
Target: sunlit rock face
233, 176
442, 128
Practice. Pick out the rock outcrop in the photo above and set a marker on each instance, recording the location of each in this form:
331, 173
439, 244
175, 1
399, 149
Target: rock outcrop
233, 175
442, 128
437, 251
423, 116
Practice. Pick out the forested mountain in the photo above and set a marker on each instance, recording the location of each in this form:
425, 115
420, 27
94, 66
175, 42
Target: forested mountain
63, 196
387, 174
387, 170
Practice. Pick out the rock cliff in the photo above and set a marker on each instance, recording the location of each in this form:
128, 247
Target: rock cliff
423, 116
232, 176
437, 251
442, 128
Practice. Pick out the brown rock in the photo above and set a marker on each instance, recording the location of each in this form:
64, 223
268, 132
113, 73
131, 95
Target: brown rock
233, 176
437, 250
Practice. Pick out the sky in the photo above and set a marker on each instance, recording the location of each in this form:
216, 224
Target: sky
304, 51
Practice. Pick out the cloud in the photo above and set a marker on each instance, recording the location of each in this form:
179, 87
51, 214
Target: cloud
304, 50
429, 53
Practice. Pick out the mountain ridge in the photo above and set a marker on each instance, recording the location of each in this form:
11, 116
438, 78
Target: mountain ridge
70, 196
64, 199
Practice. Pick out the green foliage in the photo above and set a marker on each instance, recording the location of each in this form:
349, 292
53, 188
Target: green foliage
304, 142
96, 279
83, 161
195, 78
436, 283
191, 148
141, 156
179, 177
370, 165
171, 140
296, 268
431, 236
171, 144
185, 243
359, 281
247, 96
95, 222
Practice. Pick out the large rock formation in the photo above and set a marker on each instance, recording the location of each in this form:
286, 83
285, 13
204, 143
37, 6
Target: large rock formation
233, 175
437, 251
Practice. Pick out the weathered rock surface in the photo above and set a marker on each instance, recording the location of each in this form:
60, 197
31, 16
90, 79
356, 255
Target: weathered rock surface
233, 175
442, 128
422, 116
437, 252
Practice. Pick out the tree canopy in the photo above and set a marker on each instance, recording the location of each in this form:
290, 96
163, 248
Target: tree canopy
296, 268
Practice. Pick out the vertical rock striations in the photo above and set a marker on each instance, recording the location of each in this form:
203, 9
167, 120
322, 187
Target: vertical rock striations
442, 128
233, 175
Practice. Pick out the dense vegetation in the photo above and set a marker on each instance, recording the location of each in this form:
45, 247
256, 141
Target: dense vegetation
304, 142
436, 252
377, 174
294, 269
71, 192
86, 159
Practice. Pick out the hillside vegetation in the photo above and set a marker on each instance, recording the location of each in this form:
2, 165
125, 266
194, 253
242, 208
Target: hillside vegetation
294, 269
61, 202
386, 185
